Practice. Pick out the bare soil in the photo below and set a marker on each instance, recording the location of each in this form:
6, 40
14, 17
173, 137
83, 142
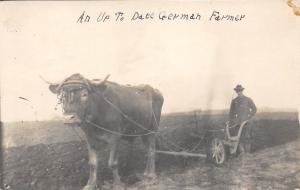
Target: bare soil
64, 166
54, 158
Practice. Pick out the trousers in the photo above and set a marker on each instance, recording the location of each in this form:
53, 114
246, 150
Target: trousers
246, 139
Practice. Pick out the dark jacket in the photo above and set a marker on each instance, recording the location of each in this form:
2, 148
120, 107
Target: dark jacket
242, 108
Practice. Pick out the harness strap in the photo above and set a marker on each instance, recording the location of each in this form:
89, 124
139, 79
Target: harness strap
118, 133
127, 117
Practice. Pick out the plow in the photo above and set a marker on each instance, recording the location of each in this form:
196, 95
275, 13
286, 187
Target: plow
219, 144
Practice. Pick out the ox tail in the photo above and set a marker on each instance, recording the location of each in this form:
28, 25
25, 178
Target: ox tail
157, 103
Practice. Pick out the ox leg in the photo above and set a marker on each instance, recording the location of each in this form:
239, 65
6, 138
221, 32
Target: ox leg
114, 162
150, 148
93, 164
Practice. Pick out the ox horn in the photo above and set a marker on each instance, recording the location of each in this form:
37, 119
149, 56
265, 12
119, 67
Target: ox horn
53, 87
45, 80
105, 79
100, 82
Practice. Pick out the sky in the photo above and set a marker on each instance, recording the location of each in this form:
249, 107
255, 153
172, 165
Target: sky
195, 64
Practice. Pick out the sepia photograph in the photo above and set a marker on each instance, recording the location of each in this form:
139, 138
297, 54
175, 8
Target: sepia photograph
150, 95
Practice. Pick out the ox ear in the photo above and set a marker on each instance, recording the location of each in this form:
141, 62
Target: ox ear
101, 86
95, 86
54, 88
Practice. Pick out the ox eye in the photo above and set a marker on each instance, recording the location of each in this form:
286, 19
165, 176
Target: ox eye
84, 93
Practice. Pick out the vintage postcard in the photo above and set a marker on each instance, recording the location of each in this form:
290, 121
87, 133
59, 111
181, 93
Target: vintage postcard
150, 95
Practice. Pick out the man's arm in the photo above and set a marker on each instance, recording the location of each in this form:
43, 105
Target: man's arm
231, 111
252, 107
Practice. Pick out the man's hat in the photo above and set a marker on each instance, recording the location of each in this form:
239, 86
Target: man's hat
239, 88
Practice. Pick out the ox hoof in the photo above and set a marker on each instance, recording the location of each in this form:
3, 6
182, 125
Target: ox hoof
150, 179
150, 176
119, 186
90, 187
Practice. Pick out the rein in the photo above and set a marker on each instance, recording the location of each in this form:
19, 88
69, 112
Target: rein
126, 116
123, 114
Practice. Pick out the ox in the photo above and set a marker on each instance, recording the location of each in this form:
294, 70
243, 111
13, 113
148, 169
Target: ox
108, 111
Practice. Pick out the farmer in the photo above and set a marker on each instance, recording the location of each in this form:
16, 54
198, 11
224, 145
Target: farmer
242, 108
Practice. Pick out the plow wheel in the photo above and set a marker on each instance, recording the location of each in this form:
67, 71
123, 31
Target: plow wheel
217, 152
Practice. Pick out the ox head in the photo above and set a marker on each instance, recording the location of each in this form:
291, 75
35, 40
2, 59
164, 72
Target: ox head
73, 93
